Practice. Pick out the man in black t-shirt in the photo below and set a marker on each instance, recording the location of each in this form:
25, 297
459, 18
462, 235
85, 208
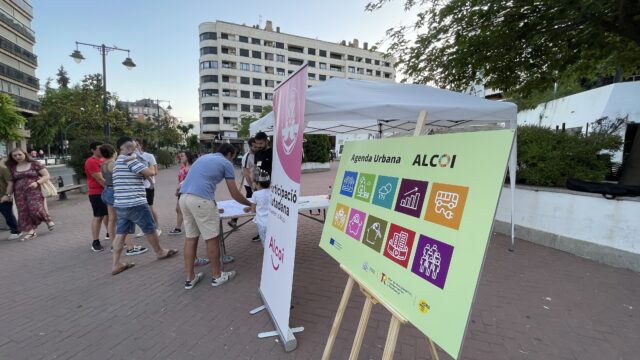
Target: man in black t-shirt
263, 158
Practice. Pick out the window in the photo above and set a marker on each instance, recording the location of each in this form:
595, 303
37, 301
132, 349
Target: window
229, 107
257, 95
280, 71
269, 70
280, 58
210, 120
208, 50
255, 41
323, 53
369, 72
290, 72
228, 65
295, 48
269, 43
311, 76
208, 36
269, 56
350, 57
225, 78
245, 108
243, 39
228, 50
256, 54
257, 68
279, 45
208, 78
351, 69
323, 66
245, 80
229, 120
268, 96
311, 51
257, 82
244, 66
245, 94
376, 62
244, 52
209, 92
387, 75
269, 83
387, 64
210, 107
208, 65
224, 36
296, 62
312, 63
322, 77
335, 68
226, 92
257, 108
367, 61
378, 73
336, 56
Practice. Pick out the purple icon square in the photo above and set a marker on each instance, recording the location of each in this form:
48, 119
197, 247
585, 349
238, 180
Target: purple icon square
431, 260
356, 224
411, 197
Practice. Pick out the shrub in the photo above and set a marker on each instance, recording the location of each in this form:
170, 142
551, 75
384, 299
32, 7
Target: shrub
79, 152
165, 158
317, 148
549, 158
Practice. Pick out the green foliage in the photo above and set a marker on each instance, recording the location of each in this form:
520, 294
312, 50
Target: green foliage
79, 152
193, 143
63, 77
10, 119
317, 148
165, 158
549, 158
519, 47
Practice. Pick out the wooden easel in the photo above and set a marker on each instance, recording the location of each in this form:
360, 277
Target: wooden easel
396, 318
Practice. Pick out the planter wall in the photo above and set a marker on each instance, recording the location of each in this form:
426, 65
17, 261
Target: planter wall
584, 224
309, 167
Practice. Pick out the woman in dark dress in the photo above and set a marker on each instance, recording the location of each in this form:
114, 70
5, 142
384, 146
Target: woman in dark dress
27, 175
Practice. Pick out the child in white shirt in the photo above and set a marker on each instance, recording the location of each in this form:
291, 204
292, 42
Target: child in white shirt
261, 199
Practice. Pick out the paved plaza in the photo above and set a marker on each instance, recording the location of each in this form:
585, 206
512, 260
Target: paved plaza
58, 300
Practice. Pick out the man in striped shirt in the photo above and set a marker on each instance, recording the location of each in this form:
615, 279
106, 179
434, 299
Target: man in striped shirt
130, 203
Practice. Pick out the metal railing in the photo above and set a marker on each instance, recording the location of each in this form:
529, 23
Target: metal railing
8, 19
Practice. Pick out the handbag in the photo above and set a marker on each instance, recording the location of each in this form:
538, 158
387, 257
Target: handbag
48, 189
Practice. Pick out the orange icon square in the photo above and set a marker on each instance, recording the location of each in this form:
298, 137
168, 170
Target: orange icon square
446, 205
340, 217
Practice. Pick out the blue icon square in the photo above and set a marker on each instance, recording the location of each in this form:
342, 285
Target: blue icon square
385, 191
348, 183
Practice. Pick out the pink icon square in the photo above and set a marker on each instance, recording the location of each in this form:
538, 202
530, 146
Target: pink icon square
356, 224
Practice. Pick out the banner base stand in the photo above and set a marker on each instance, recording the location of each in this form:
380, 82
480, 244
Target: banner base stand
289, 341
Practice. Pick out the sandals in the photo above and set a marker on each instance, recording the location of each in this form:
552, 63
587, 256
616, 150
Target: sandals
124, 267
51, 226
169, 254
29, 236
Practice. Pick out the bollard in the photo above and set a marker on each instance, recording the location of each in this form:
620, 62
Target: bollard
61, 195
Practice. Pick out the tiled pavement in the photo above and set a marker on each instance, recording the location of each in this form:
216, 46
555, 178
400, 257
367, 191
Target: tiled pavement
58, 300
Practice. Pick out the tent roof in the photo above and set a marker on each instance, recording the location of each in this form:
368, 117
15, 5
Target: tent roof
357, 106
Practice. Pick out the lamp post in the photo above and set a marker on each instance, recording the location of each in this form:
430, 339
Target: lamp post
103, 50
158, 105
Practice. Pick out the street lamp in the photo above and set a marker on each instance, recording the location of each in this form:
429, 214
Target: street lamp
158, 105
104, 50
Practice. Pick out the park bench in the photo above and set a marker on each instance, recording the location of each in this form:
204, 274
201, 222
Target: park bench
62, 191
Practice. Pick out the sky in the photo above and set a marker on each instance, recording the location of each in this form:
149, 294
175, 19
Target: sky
163, 38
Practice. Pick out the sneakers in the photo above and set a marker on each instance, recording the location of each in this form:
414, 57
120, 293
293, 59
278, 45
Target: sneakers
255, 238
159, 232
175, 231
233, 223
106, 237
15, 236
137, 250
224, 277
189, 284
201, 261
96, 246
140, 234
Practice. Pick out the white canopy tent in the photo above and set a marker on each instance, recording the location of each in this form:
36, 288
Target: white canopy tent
343, 106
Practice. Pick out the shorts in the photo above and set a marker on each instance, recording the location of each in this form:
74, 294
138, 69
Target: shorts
98, 206
129, 217
108, 196
150, 195
201, 217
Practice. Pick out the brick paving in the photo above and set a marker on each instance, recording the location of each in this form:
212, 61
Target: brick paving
58, 300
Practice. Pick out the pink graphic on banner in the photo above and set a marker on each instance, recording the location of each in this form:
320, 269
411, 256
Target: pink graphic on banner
288, 104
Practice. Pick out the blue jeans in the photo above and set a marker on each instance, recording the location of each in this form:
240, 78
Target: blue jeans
129, 217
6, 208
107, 195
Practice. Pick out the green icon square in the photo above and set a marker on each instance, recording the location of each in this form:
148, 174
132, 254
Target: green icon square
374, 232
364, 187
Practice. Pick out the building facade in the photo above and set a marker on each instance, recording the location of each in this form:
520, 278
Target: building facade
240, 66
18, 62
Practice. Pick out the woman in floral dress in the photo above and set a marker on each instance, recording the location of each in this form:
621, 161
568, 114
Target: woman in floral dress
28, 175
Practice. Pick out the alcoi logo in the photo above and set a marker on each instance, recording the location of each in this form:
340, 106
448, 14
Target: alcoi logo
277, 254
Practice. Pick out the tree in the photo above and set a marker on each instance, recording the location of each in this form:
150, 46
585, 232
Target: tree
185, 129
520, 47
63, 77
10, 119
246, 120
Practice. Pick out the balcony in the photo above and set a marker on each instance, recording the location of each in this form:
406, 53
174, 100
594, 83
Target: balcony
13, 23
18, 51
19, 76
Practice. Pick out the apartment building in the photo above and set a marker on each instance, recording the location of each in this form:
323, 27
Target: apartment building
240, 66
17, 61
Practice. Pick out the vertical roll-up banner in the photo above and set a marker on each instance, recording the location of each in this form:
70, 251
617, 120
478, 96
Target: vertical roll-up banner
280, 245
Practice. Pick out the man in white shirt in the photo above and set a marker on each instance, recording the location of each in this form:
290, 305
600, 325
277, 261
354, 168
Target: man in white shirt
248, 169
149, 184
